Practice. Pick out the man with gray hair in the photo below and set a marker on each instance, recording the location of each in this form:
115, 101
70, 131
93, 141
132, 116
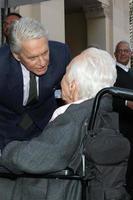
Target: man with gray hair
61, 143
125, 108
29, 76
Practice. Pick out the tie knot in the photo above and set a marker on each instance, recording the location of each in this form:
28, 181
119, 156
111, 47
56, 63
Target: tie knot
32, 76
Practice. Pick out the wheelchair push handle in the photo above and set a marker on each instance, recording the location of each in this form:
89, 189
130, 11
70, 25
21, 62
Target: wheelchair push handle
122, 93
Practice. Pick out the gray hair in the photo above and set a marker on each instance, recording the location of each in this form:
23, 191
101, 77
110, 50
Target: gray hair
24, 29
122, 42
93, 70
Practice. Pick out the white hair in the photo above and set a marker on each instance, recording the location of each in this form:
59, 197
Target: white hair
24, 29
93, 70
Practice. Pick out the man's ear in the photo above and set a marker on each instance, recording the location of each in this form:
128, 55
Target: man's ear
16, 56
73, 88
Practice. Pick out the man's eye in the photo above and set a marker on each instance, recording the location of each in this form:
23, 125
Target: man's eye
32, 59
123, 51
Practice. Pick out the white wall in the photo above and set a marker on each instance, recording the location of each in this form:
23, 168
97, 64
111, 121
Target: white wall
50, 14
96, 32
104, 32
53, 18
29, 11
120, 20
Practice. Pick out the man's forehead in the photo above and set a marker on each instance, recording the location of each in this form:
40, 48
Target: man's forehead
34, 43
34, 47
123, 46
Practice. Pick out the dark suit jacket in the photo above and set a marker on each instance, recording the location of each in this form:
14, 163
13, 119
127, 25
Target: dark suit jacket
124, 80
59, 146
12, 111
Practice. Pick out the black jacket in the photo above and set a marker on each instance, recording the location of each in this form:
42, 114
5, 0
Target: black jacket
124, 80
12, 111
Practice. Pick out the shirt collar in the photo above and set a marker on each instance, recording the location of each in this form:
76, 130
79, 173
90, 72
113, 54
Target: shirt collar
24, 70
124, 67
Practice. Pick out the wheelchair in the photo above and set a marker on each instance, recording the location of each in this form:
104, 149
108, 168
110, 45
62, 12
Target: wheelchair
68, 174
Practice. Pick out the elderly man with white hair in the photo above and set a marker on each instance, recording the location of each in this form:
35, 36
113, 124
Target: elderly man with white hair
87, 73
61, 143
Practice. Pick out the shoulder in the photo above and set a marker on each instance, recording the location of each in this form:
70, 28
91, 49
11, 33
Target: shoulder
59, 47
6, 59
131, 70
5, 49
5, 56
59, 52
80, 111
57, 44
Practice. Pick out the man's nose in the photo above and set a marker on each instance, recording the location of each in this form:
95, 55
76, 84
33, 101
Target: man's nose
42, 60
122, 53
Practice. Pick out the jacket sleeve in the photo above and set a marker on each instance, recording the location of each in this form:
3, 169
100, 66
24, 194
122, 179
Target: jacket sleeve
51, 151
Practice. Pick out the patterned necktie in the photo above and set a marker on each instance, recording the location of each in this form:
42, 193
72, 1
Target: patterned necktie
32, 99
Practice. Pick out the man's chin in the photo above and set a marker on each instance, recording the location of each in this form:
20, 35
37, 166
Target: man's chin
124, 63
41, 72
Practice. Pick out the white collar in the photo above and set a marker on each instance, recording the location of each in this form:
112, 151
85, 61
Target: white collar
62, 109
124, 67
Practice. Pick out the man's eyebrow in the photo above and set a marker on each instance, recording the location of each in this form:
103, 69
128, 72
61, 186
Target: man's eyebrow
34, 56
124, 49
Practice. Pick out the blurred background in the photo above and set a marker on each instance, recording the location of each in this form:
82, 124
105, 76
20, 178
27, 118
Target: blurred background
80, 23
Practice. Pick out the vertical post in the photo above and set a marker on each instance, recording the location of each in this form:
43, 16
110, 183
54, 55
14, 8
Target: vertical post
5, 11
131, 27
6, 7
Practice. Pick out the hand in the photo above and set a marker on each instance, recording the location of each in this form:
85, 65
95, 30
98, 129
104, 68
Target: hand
130, 104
